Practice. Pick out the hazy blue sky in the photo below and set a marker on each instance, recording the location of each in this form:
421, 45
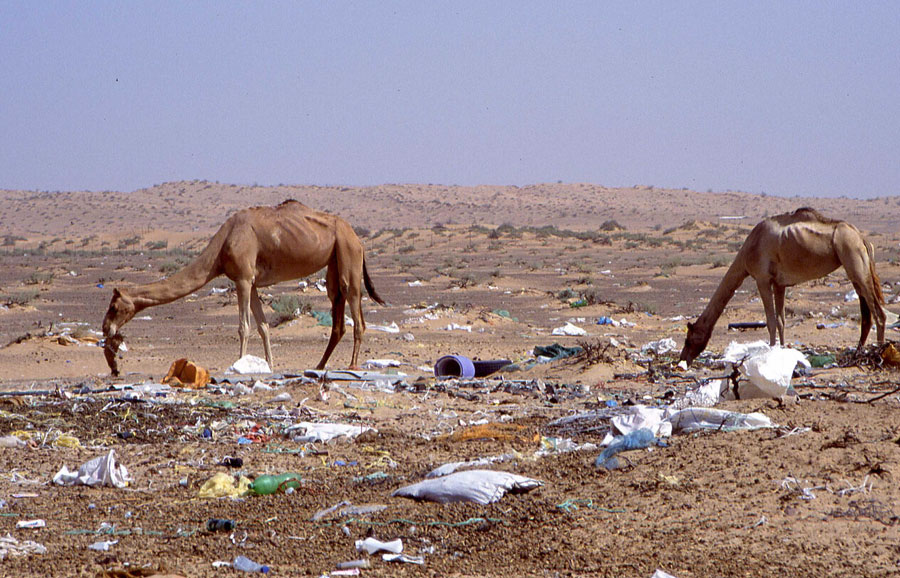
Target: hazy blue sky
792, 98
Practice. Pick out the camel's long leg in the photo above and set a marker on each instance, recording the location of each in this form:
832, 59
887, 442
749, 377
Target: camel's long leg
354, 300
262, 326
779, 310
337, 312
243, 297
768, 299
859, 264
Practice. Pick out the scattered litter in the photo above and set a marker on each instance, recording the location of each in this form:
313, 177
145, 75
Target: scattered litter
462, 366
555, 352
223, 485
569, 329
373, 546
769, 369
660, 347
267, 484
12, 442
458, 327
636, 440
247, 565
451, 467
748, 325
380, 363
346, 509
283, 397
351, 565
392, 328
699, 418
659, 573
249, 364
324, 432
480, 486
100, 471
403, 558
11, 547
103, 545
851, 296
30, 524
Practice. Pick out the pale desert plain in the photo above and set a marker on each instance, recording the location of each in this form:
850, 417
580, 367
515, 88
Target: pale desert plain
485, 272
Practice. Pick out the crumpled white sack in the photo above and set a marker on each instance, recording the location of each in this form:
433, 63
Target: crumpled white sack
480, 486
569, 329
698, 418
642, 417
323, 432
736, 352
249, 364
660, 347
100, 471
771, 371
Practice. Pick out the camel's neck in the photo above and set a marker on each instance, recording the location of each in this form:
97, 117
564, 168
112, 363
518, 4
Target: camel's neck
723, 294
195, 275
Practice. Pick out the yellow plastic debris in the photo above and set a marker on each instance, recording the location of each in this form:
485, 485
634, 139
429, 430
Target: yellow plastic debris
222, 485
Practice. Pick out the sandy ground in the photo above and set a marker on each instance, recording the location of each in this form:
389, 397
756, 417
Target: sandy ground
814, 496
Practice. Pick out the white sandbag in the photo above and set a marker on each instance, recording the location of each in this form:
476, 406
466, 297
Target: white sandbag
480, 486
249, 364
699, 418
771, 371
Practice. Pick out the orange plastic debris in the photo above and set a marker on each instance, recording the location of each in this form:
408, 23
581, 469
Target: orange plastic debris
184, 373
495, 431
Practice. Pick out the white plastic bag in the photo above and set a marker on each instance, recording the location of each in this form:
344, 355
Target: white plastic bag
324, 432
100, 471
480, 486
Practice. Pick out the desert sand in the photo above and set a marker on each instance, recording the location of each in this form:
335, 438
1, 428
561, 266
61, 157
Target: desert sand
487, 272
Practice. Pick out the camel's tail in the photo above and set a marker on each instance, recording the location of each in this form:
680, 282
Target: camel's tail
876, 281
369, 286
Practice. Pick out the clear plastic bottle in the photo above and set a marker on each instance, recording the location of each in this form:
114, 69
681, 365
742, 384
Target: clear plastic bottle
248, 565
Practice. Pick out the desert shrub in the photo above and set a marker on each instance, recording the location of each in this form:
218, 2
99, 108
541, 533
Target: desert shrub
594, 352
168, 267
156, 245
362, 232
129, 242
288, 307
595, 296
38, 278
567, 294
18, 299
494, 234
719, 262
611, 225
463, 281
406, 249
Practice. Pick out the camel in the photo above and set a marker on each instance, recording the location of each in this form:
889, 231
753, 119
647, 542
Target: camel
258, 247
788, 249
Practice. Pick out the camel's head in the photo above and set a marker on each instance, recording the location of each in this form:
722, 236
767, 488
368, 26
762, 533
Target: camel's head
121, 310
694, 343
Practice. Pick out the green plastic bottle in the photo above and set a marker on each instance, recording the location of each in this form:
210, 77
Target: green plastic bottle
266, 484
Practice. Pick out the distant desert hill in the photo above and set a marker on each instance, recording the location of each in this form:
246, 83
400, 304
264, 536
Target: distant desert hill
197, 207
